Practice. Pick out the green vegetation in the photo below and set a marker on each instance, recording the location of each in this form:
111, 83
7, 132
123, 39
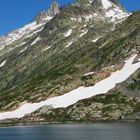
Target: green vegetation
35, 75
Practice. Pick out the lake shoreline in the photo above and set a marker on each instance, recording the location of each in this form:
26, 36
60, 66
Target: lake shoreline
9, 123
74, 131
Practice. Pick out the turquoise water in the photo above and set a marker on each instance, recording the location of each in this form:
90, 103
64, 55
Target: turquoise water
97, 131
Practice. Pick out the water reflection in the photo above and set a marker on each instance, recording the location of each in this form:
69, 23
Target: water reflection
97, 131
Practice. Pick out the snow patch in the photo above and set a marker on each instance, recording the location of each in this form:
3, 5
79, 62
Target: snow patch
79, 19
26, 30
68, 33
69, 44
83, 33
2, 47
2, 63
74, 27
36, 40
116, 14
12, 48
95, 40
90, 1
24, 49
90, 73
21, 44
106, 4
27, 36
46, 49
73, 19
88, 17
108, 67
80, 93
48, 18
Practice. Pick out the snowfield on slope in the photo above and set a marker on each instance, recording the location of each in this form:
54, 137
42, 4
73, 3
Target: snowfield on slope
69, 44
23, 50
68, 33
90, 73
115, 13
78, 94
95, 40
106, 4
83, 33
2, 63
47, 48
36, 41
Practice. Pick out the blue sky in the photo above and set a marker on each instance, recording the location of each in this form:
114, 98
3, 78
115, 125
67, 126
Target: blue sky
16, 13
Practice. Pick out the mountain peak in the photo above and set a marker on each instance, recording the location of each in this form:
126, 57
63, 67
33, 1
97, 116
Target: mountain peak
109, 9
49, 14
36, 25
53, 9
105, 3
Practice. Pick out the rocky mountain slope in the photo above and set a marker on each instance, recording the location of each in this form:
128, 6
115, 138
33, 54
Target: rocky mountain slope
64, 49
16, 38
